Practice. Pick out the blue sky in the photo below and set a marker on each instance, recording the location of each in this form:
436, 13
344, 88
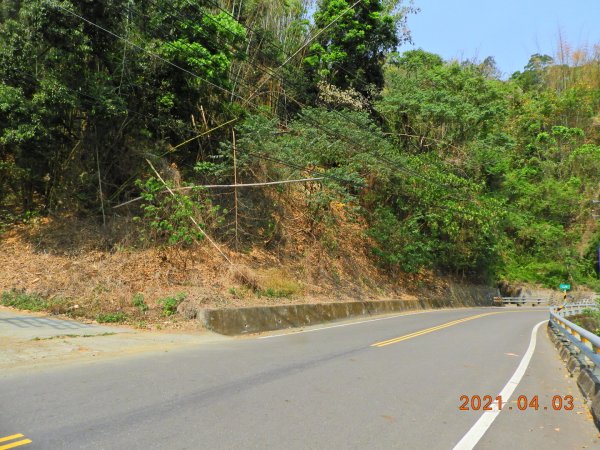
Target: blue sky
509, 30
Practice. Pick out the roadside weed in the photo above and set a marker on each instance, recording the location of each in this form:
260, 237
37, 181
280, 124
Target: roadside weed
116, 317
139, 302
170, 304
23, 300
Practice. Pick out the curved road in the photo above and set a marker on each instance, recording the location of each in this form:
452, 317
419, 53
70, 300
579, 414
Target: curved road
389, 383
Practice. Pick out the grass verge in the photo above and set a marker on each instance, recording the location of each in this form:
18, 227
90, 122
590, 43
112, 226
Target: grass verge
33, 302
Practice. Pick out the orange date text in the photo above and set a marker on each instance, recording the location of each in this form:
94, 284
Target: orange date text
523, 403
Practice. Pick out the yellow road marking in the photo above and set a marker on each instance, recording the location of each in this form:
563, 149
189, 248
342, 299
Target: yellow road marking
429, 330
10, 438
15, 444
417, 333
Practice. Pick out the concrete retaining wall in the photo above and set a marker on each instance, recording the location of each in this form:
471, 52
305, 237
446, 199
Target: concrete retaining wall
235, 321
588, 382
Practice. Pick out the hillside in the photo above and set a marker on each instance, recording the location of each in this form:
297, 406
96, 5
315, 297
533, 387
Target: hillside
152, 150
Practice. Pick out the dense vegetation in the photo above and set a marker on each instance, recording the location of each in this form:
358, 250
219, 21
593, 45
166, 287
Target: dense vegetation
448, 166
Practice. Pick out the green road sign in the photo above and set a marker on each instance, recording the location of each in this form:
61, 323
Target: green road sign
565, 287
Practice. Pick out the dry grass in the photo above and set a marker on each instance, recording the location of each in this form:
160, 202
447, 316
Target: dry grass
278, 283
98, 271
245, 276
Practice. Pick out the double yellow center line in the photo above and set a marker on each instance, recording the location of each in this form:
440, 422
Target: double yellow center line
13, 444
429, 330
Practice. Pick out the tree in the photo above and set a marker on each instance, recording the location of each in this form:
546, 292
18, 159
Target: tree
354, 39
533, 76
440, 105
80, 109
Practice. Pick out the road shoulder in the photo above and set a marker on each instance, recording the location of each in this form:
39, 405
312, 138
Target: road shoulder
30, 340
545, 378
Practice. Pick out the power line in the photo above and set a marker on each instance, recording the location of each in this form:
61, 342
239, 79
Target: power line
126, 40
256, 155
220, 186
272, 74
145, 50
304, 44
316, 124
155, 55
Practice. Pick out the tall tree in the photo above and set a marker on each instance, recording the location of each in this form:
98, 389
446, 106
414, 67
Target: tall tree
353, 41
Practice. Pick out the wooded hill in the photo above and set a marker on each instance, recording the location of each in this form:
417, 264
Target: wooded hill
443, 165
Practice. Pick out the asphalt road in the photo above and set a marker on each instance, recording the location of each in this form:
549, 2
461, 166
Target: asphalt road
325, 388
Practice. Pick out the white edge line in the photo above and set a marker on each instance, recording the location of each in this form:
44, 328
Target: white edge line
350, 323
470, 440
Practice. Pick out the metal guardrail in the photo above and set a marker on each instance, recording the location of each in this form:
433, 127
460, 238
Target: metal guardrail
570, 309
585, 303
519, 300
587, 342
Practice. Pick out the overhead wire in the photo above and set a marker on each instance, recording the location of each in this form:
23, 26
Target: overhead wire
176, 66
402, 168
316, 123
271, 72
354, 77
32, 79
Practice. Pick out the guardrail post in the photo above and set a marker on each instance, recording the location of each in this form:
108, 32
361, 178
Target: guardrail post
584, 344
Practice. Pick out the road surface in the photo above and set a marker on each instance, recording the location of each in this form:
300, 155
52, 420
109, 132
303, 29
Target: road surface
390, 383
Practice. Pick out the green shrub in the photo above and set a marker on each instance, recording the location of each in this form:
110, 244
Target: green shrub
400, 243
170, 304
116, 317
34, 302
139, 302
275, 293
167, 218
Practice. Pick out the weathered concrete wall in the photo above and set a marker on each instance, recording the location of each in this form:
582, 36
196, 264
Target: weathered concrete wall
234, 321
467, 295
